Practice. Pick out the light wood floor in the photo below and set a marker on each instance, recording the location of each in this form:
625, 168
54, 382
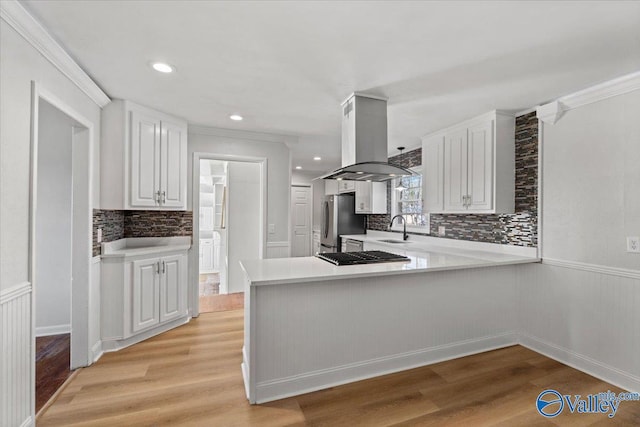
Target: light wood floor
191, 376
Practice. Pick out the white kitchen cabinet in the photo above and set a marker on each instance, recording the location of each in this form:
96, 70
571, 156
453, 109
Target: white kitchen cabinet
145, 294
173, 296
143, 156
206, 218
469, 167
345, 186
142, 295
330, 187
206, 255
371, 197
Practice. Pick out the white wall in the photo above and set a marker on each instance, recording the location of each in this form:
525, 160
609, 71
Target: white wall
591, 194
581, 306
53, 222
20, 63
244, 220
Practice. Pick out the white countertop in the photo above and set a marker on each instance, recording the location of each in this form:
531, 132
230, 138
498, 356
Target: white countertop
143, 246
312, 269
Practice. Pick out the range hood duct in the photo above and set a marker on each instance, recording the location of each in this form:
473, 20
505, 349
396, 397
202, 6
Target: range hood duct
364, 142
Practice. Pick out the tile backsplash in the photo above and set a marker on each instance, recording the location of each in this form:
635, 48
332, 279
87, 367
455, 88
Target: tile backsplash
519, 228
118, 224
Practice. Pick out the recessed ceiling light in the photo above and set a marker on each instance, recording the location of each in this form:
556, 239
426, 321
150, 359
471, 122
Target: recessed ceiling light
298, 167
162, 67
236, 117
317, 158
360, 173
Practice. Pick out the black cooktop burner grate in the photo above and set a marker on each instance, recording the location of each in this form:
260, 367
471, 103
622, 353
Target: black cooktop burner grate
364, 257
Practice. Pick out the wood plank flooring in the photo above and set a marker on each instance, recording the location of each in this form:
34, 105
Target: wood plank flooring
53, 355
191, 376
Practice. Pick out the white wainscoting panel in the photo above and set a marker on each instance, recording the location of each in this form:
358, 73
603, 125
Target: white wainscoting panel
16, 356
277, 250
586, 319
316, 335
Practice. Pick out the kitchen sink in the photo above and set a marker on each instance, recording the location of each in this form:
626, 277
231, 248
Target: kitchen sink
391, 241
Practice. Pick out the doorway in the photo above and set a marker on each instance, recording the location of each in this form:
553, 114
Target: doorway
230, 197
60, 240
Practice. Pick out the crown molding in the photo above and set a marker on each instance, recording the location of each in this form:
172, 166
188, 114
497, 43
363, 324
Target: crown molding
551, 112
14, 14
243, 134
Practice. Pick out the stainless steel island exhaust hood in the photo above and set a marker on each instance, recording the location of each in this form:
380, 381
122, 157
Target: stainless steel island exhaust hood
364, 142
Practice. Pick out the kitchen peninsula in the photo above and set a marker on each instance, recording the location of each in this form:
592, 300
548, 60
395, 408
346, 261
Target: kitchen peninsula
311, 325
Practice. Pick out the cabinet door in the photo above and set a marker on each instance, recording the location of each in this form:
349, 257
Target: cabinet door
455, 170
432, 175
363, 197
173, 166
206, 246
173, 287
330, 187
480, 169
145, 160
145, 294
346, 186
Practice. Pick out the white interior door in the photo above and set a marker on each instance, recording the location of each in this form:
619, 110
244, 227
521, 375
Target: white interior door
300, 221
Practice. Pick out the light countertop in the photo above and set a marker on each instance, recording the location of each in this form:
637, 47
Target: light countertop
312, 269
143, 246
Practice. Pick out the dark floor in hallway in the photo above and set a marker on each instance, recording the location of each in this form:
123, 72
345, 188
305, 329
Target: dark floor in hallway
53, 358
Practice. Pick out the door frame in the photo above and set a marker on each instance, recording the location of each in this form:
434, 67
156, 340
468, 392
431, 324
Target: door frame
82, 227
194, 261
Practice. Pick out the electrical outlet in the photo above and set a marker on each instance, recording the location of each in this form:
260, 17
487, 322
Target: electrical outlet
272, 228
99, 235
633, 244
441, 230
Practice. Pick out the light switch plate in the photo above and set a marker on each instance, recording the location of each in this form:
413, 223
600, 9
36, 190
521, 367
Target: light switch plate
441, 230
633, 244
99, 235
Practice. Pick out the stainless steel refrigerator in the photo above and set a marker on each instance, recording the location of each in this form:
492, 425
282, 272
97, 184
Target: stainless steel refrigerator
339, 218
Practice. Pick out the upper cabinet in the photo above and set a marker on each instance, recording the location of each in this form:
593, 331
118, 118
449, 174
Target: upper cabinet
470, 167
346, 186
371, 197
143, 158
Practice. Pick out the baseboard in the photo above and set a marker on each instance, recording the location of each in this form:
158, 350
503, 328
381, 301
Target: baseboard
110, 345
28, 422
245, 373
45, 331
96, 352
312, 381
582, 363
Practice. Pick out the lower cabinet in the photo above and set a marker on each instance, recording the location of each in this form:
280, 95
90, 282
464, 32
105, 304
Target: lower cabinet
141, 293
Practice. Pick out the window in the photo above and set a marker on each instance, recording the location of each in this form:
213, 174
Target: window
408, 202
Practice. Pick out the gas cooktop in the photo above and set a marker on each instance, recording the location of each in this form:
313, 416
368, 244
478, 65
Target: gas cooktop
364, 257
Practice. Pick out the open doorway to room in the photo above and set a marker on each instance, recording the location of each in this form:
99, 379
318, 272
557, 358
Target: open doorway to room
60, 241
230, 201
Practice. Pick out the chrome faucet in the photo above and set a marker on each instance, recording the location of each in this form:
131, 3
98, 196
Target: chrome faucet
405, 236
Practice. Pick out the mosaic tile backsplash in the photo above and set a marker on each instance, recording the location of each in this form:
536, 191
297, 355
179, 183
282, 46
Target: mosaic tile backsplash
519, 228
120, 224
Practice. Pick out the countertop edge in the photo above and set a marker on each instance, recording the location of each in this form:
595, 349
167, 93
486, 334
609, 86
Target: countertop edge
480, 264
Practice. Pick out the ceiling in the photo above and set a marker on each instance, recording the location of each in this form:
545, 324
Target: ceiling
286, 66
